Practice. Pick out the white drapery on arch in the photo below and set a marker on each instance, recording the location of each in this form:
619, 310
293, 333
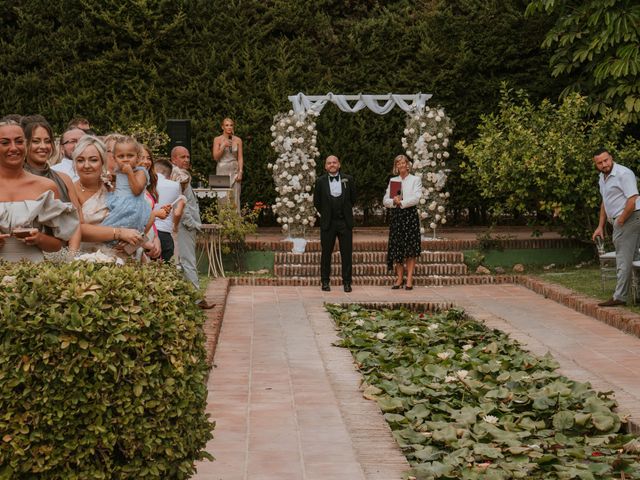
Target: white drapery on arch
302, 103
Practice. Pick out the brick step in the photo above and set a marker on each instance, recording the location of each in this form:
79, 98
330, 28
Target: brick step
386, 280
287, 258
369, 269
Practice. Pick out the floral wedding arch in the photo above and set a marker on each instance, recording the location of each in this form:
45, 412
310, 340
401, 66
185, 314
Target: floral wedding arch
425, 140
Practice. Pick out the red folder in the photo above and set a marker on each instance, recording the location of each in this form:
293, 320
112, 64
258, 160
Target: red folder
395, 188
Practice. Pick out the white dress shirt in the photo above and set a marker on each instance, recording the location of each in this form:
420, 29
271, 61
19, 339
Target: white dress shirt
616, 188
66, 166
168, 192
411, 192
335, 186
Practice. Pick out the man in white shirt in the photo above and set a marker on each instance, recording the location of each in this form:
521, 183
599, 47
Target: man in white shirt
620, 207
68, 142
169, 193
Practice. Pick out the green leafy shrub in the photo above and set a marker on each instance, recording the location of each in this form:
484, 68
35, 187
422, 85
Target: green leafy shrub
467, 402
537, 160
234, 227
102, 373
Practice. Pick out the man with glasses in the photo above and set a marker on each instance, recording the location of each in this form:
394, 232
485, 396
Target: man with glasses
68, 142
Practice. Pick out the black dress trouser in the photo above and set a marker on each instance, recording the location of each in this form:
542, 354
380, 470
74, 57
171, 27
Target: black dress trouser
338, 229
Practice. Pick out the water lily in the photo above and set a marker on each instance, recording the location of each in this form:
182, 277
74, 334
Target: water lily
380, 335
359, 322
443, 355
462, 374
490, 419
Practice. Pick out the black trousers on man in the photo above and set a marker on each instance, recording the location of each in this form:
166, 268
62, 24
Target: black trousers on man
338, 229
166, 244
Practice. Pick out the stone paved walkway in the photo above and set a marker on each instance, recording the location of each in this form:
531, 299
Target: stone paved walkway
287, 403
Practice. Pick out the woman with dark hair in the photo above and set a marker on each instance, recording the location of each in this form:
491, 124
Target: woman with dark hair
402, 195
33, 219
39, 136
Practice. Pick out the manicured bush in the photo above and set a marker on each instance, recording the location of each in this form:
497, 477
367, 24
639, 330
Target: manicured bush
102, 372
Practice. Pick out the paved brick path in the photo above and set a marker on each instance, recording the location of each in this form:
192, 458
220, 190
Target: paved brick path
287, 403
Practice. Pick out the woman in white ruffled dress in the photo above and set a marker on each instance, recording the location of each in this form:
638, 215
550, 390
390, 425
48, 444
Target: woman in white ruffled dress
33, 219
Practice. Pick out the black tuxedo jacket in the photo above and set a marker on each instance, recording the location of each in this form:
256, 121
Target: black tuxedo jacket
322, 199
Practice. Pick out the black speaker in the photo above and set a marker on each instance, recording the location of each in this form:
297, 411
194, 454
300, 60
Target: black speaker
180, 133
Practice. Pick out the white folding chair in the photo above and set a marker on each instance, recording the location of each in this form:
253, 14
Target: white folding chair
608, 267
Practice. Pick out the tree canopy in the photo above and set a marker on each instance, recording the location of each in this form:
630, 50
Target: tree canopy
596, 44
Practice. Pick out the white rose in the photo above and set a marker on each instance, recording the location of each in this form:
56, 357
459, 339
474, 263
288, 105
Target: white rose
443, 221
308, 188
432, 225
421, 231
445, 154
441, 209
280, 138
298, 217
438, 217
282, 123
285, 227
423, 215
422, 201
279, 220
290, 219
305, 222
438, 118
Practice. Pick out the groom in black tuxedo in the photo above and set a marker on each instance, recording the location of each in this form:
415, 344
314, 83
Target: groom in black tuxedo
333, 197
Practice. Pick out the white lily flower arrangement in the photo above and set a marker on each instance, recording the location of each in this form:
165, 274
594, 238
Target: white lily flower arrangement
294, 175
426, 139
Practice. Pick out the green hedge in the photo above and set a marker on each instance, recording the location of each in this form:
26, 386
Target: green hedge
102, 373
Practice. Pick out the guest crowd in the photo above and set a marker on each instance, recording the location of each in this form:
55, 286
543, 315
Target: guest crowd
108, 197
93, 195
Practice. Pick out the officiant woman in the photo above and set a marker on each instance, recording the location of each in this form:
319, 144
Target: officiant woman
404, 228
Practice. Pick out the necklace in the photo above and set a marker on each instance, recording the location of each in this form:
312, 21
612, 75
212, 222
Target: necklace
84, 189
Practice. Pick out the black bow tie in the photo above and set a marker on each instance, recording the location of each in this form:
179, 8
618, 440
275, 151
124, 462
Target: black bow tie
333, 178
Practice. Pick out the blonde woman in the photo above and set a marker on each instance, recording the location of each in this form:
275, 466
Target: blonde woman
402, 195
227, 153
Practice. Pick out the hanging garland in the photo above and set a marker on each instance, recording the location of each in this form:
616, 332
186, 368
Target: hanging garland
426, 141
294, 172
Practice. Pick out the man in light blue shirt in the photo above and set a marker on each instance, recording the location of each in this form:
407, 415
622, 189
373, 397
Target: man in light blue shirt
620, 207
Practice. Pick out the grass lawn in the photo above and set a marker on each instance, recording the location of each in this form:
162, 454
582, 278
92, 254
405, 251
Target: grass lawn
585, 280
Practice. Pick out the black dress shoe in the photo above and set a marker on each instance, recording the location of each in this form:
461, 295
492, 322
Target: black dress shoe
203, 304
326, 287
408, 287
397, 286
347, 287
612, 302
